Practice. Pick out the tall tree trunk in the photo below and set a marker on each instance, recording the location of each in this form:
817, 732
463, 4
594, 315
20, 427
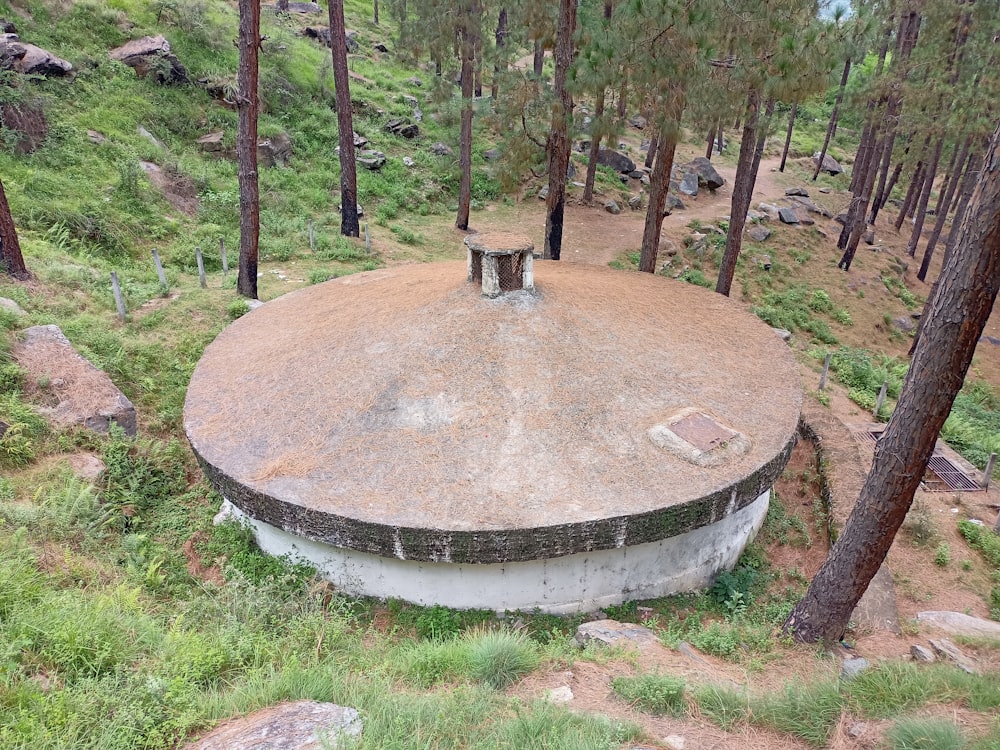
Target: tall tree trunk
375, 9
538, 59
654, 143
856, 220
833, 118
558, 143
788, 136
883, 169
944, 205
595, 149
884, 197
345, 123
659, 181
501, 41
468, 30
477, 63
742, 194
966, 294
720, 140
623, 98
916, 185
248, 42
11, 258
925, 195
710, 145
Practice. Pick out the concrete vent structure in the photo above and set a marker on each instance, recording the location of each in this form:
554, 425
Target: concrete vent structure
502, 261
609, 436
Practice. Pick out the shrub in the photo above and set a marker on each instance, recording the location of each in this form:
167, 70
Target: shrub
238, 308
925, 734
500, 657
653, 693
942, 555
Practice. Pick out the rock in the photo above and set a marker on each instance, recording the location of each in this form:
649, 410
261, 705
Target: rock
673, 203
758, 232
149, 136
644, 180
371, 159
28, 59
408, 162
96, 138
783, 334
805, 220
360, 141
841, 219
764, 261
303, 725
756, 217
322, 35
870, 237
903, 323
86, 466
691, 653
570, 171
491, 154
830, 164
616, 160
212, 142
708, 177
674, 742
878, 609
853, 667
86, 396
635, 202
788, 216
960, 624
414, 81
7, 27
151, 55
561, 694
380, 47
638, 122
11, 306
582, 146
857, 729
948, 650
441, 149
351, 38
636, 174
275, 151
340, 209
824, 190
797, 191
612, 207
298, 7
402, 128
769, 209
610, 632
922, 654
689, 184
543, 193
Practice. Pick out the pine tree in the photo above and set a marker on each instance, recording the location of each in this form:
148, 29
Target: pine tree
246, 146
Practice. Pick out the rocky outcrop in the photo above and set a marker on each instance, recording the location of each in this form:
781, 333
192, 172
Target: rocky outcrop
151, 56
79, 393
303, 725
830, 165
29, 59
402, 128
708, 176
617, 161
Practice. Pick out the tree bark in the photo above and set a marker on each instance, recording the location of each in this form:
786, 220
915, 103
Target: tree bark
345, 123
375, 9
468, 30
659, 181
925, 195
558, 142
742, 194
538, 59
966, 295
856, 215
944, 205
710, 145
651, 151
916, 185
833, 117
11, 258
595, 148
788, 136
248, 42
501, 40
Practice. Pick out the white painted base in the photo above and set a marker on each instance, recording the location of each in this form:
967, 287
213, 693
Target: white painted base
574, 583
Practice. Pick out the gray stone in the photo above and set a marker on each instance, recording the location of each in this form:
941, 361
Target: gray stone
151, 56
758, 232
610, 632
960, 624
689, 184
904, 323
612, 207
870, 237
757, 217
691, 653
797, 191
86, 466
635, 202
948, 650
11, 306
638, 122
857, 729
212, 143
708, 177
29, 59
275, 151
561, 694
402, 128
824, 190
298, 8
636, 174
853, 667
407, 161
764, 261
303, 725
441, 149
805, 220
674, 742
783, 334
788, 216
644, 180
371, 160
414, 81
85, 395
674, 203
877, 609
768, 209
922, 654
543, 193
360, 141
149, 136
95, 137
830, 165
841, 218
491, 154
616, 160
380, 47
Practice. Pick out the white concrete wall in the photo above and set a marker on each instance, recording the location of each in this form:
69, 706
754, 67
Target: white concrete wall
574, 583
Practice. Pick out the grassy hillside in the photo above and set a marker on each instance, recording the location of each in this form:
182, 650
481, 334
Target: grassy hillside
129, 620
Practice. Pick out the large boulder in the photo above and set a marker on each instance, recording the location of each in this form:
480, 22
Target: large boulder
29, 59
402, 128
616, 160
303, 725
151, 56
689, 184
830, 165
83, 395
213, 143
275, 151
708, 176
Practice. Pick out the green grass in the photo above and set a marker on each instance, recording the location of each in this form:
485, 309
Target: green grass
925, 734
653, 693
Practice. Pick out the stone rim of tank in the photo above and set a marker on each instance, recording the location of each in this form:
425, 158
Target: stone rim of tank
383, 528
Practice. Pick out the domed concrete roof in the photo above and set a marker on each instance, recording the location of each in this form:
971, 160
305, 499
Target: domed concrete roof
399, 412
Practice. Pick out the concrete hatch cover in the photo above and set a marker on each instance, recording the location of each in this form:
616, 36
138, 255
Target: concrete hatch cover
703, 432
696, 437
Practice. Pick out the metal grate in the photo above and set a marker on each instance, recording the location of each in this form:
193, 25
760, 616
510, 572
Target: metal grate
943, 475
701, 431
